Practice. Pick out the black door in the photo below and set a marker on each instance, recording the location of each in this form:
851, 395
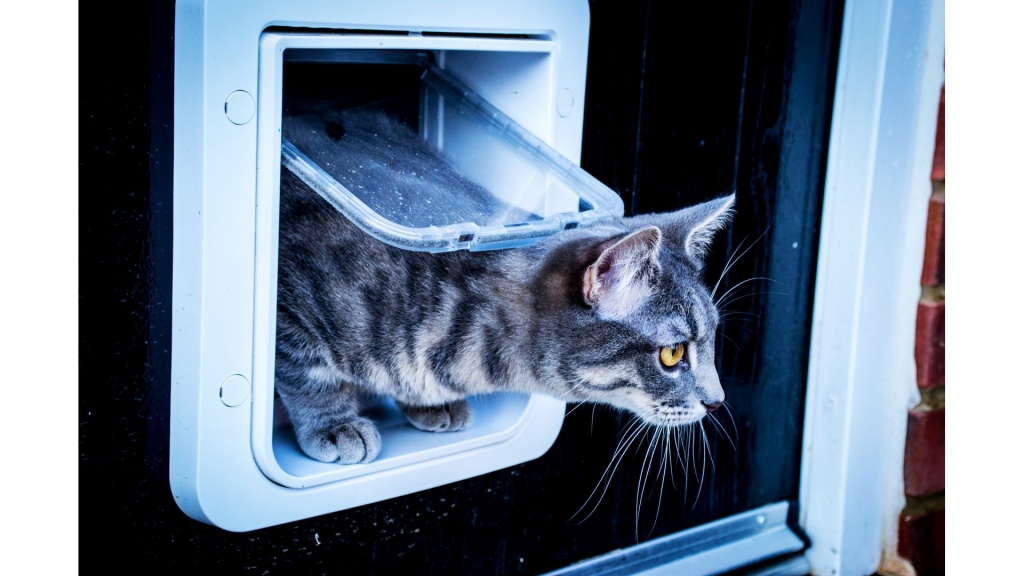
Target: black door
682, 105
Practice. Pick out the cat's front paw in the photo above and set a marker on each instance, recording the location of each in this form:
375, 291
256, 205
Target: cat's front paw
356, 441
445, 418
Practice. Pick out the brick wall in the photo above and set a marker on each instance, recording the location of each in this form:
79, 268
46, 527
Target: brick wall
922, 527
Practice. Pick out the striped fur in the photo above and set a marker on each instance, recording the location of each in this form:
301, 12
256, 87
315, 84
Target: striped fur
581, 316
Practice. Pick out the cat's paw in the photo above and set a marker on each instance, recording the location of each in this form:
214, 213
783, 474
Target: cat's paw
353, 442
445, 418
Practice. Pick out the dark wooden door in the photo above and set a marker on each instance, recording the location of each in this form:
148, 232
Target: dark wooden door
682, 104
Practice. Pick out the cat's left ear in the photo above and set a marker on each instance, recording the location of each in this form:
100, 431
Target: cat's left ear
621, 278
691, 230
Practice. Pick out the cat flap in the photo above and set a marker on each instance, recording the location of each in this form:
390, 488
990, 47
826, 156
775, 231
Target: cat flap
462, 176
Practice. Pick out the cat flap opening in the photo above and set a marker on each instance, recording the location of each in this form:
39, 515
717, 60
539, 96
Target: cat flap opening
416, 159
492, 184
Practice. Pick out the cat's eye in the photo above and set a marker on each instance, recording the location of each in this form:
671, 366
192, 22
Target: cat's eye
671, 355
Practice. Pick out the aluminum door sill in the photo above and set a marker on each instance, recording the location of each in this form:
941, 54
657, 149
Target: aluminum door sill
711, 548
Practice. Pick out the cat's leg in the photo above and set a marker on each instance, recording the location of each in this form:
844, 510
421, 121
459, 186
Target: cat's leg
448, 417
327, 423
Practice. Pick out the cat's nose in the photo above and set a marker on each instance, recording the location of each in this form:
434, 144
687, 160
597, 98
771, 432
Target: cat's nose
712, 406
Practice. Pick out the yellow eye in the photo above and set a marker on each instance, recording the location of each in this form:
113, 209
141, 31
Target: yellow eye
671, 355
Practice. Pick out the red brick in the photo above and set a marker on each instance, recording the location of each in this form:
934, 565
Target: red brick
924, 462
922, 540
939, 160
933, 272
930, 345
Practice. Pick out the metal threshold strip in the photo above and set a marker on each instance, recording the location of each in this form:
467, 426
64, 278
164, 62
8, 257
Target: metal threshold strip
711, 548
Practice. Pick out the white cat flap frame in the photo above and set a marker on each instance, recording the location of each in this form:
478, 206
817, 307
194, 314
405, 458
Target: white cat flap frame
226, 466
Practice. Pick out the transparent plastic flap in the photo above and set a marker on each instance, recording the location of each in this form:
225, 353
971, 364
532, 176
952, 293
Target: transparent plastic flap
466, 177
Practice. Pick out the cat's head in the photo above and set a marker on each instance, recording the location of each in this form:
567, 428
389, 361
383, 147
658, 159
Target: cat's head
639, 332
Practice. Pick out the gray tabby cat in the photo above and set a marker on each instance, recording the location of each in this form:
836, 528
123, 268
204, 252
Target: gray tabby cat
615, 313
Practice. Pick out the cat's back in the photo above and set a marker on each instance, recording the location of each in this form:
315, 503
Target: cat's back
322, 251
331, 270
313, 234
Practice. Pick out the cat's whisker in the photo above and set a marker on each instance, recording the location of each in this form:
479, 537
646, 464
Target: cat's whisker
733, 259
718, 426
656, 445
707, 446
724, 315
739, 297
715, 424
730, 340
733, 420
678, 442
703, 465
641, 429
629, 435
719, 301
741, 323
703, 461
576, 387
656, 450
670, 443
690, 459
587, 400
665, 454
683, 441
573, 409
645, 473
668, 464
636, 428
647, 462
708, 454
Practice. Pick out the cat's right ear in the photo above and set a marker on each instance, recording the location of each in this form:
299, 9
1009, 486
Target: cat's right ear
622, 277
689, 231
704, 220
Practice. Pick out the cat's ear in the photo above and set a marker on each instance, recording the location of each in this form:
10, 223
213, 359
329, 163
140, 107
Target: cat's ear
622, 277
692, 229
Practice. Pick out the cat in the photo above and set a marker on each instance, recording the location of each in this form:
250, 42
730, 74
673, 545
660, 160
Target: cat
614, 313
